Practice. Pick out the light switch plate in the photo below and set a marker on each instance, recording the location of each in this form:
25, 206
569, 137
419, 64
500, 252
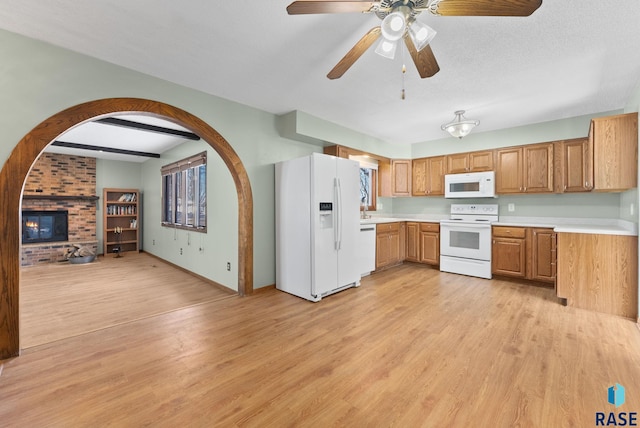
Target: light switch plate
511, 207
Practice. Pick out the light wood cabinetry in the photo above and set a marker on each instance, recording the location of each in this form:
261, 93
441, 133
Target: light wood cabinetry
573, 165
428, 176
395, 178
423, 243
508, 252
430, 243
615, 152
525, 169
470, 162
599, 272
521, 252
121, 220
388, 243
541, 254
413, 242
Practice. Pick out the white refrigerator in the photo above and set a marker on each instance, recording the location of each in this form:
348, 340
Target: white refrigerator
317, 225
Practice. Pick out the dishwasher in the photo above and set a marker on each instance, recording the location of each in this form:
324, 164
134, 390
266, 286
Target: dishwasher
367, 249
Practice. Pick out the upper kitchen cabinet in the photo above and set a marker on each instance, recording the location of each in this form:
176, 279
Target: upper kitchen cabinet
395, 178
525, 169
615, 152
574, 165
470, 162
427, 176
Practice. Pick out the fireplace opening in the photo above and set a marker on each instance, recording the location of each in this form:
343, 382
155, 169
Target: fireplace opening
44, 226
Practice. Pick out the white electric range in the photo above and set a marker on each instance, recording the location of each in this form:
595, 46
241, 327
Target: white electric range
465, 239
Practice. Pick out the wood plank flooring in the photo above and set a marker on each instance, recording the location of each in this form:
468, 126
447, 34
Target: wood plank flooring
60, 300
410, 347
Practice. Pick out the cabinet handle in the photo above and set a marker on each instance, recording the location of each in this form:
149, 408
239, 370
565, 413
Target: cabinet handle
565, 187
525, 188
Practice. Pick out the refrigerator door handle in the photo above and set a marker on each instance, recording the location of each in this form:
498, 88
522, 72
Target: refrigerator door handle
335, 215
339, 214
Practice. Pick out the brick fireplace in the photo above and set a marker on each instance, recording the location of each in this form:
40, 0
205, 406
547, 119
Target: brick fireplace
60, 182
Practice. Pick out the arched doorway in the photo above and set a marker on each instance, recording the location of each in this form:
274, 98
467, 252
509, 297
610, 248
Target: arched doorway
17, 166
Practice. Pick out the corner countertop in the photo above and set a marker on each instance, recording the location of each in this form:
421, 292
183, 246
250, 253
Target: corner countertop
558, 224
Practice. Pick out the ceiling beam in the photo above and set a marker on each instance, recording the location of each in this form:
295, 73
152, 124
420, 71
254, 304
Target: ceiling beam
146, 127
104, 149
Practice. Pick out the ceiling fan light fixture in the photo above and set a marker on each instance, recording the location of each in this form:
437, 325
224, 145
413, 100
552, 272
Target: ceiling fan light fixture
421, 34
393, 26
460, 126
387, 48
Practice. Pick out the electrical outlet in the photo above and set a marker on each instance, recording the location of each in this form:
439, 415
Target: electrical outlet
511, 207
180, 251
631, 208
154, 242
228, 266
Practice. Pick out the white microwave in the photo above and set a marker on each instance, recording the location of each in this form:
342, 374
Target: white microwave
471, 185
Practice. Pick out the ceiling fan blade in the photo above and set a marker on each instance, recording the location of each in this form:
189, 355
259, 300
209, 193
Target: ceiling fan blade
487, 7
356, 52
424, 60
307, 7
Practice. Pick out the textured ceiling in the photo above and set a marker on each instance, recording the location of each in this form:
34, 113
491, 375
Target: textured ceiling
569, 58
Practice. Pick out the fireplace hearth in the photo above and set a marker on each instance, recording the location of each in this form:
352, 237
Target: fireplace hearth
45, 226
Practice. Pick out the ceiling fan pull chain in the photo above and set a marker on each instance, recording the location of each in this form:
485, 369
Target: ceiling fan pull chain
404, 71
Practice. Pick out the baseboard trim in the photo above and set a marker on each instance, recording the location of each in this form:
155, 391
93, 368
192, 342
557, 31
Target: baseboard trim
200, 277
264, 289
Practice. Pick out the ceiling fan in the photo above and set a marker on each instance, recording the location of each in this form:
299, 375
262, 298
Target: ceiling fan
399, 22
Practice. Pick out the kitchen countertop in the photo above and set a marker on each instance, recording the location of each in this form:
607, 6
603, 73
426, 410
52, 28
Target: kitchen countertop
558, 224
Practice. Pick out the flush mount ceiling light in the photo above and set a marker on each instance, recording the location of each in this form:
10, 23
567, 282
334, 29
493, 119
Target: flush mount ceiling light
460, 126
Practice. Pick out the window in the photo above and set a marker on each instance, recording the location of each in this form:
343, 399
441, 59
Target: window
368, 188
184, 193
368, 181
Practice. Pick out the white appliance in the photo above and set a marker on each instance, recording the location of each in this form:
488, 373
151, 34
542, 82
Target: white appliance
465, 240
367, 249
471, 185
317, 225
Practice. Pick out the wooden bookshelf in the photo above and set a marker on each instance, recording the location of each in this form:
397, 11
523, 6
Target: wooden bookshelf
121, 220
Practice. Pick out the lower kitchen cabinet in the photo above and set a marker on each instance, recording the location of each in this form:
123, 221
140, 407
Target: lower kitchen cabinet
430, 243
413, 242
423, 243
521, 252
541, 254
388, 244
508, 252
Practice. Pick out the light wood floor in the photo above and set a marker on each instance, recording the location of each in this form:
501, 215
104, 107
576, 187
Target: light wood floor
60, 300
410, 347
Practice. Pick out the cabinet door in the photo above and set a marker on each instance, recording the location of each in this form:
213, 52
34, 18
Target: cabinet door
508, 256
383, 250
457, 163
435, 175
419, 177
577, 166
413, 242
509, 170
543, 255
481, 161
401, 177
430, 248
538, 171
615, 152
395, 254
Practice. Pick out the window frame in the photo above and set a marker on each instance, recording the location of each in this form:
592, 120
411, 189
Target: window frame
184, 205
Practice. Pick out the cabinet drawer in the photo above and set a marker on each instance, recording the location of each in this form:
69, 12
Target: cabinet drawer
430, 227
508, 232
388, 227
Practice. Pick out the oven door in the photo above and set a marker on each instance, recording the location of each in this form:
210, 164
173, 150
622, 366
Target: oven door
466, 240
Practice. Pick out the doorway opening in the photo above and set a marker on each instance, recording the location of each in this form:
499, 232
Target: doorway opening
17, 166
